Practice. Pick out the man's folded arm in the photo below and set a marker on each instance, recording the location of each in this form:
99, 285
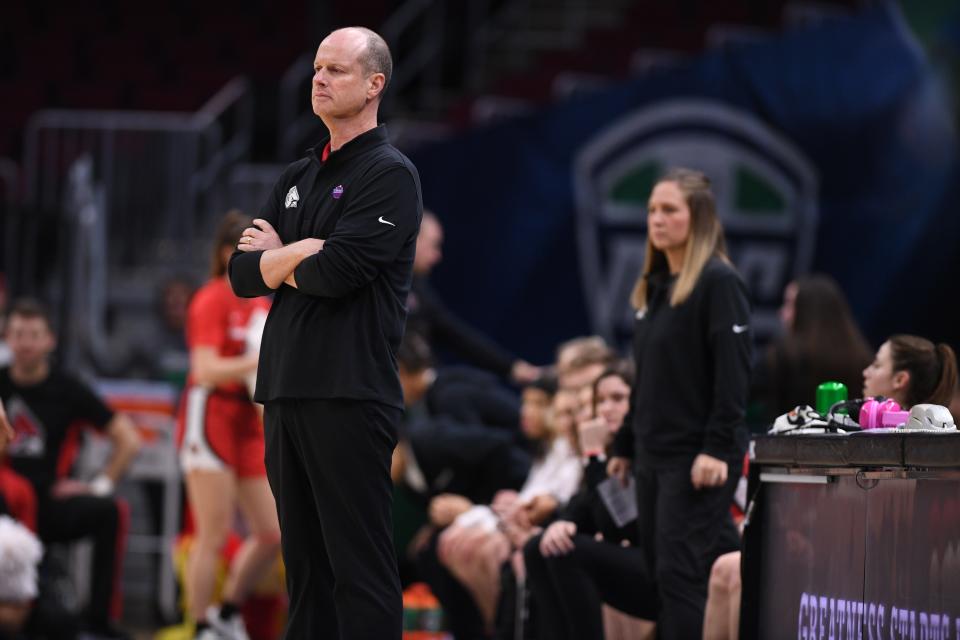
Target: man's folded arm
384, 217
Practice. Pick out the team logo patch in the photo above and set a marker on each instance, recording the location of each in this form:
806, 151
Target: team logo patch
766, 191
337, 192
293, 197
30, 437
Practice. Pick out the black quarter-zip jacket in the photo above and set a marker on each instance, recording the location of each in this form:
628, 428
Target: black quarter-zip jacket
693, 371
336, 334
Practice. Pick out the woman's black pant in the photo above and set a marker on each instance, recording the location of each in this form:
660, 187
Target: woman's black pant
568, 591
682, 531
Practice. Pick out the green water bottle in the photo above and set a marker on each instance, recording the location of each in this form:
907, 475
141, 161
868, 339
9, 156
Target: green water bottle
828, 394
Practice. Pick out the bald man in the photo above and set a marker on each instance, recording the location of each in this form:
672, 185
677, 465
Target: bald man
336, 243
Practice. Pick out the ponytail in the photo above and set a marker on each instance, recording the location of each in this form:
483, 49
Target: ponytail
947, 384
932, 369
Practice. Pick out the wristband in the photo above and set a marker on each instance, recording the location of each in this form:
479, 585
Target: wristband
101, 485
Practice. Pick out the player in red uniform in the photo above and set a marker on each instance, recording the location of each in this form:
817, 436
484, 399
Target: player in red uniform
221, 445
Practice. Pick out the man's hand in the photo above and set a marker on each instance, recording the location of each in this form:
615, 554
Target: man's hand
445, 508
523, 373
260, 237
557, 540
619, 468
708, 472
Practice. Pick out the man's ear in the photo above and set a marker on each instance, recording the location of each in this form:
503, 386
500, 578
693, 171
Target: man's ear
375, 89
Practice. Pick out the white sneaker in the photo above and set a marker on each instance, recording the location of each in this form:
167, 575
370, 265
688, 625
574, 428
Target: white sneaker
230, 629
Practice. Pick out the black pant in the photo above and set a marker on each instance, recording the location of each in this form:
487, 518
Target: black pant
568, 591
328, 463
96, 518
683, 531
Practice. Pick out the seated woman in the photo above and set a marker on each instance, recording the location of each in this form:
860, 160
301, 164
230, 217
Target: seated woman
589, 556
912, 370
820, 341
462, 562
909, 369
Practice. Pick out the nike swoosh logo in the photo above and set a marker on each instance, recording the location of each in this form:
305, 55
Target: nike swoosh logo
740, 328
380, 219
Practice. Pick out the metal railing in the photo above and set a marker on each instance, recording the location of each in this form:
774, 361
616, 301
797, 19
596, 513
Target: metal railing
157, 168
129, 192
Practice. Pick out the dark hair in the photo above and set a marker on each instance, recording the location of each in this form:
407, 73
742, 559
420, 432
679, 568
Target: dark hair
622, 369
29, 309
932, 368
823, 344
414, 353
547, 383
227, 235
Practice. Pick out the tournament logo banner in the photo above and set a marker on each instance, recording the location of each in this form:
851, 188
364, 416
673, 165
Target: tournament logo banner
766, 192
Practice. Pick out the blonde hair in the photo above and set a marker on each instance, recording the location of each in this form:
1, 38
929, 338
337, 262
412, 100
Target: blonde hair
705, 241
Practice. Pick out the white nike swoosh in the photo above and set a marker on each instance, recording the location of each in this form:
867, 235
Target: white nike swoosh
740, 328
380, 219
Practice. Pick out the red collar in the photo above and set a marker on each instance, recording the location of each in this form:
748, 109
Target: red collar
325, 153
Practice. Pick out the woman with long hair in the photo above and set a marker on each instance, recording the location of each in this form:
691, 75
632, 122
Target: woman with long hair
821, 342
686, 438
912, 370
222, 447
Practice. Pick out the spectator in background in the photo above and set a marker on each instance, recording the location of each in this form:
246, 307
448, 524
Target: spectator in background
430, 318
912, 370
581, 360
821, 342
585, 558
222, 449
687, 436
467, 559
462, 394
153, 348
169, 355
45, 407
462, 563
458, 437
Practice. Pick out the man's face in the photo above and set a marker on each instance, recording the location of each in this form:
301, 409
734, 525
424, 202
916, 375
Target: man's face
429, 246
30, 340
341, 86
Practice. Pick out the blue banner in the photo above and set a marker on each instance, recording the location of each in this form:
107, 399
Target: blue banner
831, 148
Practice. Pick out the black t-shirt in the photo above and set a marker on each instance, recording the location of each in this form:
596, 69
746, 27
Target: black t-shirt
48, 418
337, 333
